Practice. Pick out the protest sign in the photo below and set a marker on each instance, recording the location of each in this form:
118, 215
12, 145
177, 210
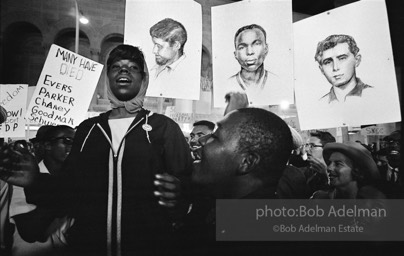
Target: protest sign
334, 91
64, 89
13, 98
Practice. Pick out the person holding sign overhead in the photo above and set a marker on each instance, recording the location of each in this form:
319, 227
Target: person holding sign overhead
116, 175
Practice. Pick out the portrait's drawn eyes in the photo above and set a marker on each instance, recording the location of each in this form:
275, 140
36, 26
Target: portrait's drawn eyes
240, 47
326, 62
159, 47
258, 43
342, 57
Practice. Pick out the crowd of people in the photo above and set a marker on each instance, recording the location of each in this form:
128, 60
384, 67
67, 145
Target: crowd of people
127, 182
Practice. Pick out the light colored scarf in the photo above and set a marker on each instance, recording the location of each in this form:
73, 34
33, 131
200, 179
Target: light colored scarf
134, 105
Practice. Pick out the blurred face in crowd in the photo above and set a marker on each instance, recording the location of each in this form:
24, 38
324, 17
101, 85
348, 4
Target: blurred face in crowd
125, 79
251, 49
165, 54
394, 156
58, 147
197, 132
315, 148
339, 170
382, 161
338, 65
219, 155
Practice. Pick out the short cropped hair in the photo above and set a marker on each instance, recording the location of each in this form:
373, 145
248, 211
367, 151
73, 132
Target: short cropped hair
266, 134
170, 31
325, 137
332, 41
207, 123
127, 52
252, 26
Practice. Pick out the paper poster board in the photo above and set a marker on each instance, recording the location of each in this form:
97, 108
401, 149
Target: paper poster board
64, 89
375, 96
189, 118
178, 117
274, 86
181, 78
13, 98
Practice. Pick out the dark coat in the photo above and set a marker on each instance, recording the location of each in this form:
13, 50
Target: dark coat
111, 194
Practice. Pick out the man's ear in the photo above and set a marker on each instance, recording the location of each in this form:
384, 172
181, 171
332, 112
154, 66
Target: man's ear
266, 49
358, 59
249, 161
177, 45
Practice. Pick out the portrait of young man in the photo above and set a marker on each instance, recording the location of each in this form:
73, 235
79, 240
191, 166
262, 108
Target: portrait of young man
169, 33
344, 74
253, 53
169, 37
251, 49
338, 57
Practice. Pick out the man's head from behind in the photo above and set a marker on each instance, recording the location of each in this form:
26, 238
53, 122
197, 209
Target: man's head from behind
169, 38
250, 47
338, 56
249, 149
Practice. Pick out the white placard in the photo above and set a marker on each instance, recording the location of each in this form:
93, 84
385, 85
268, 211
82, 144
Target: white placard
275, 17
367, 23
178, 117
13, 98
64, 89
183, 81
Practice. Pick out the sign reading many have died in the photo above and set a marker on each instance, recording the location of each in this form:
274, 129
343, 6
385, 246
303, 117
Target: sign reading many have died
64, 89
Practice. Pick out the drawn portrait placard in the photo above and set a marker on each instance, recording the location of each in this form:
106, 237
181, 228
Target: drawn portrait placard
13, 98
170, 36
344, 69
253, 51
64, 89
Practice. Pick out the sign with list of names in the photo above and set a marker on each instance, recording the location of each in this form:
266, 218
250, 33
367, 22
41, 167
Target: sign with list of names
64, 89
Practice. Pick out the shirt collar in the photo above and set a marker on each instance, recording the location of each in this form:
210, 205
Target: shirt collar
170, 67
260, 84
356, 91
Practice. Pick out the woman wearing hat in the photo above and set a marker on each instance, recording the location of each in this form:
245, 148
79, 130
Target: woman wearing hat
352, 172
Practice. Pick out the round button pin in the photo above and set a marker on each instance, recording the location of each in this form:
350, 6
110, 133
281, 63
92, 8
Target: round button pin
147, 127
